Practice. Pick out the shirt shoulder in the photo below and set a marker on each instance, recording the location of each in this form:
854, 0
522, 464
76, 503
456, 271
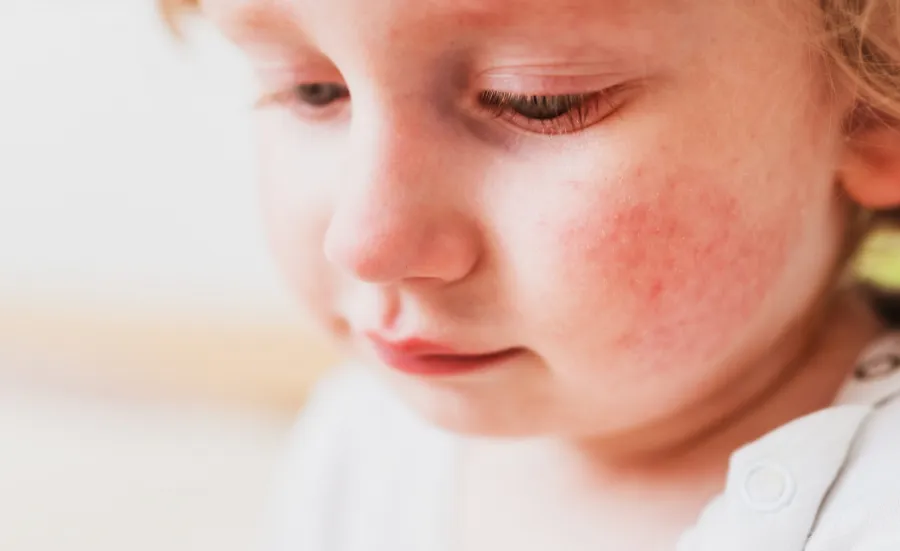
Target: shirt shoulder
358, 467
862, 511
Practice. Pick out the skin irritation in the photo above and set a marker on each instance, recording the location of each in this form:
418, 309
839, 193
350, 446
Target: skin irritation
690, 261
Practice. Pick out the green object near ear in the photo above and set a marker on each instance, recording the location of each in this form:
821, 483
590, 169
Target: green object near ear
878, 261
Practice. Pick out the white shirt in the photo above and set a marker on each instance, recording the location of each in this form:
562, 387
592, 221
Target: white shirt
365, 474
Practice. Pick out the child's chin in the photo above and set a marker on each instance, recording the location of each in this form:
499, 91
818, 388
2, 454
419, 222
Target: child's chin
459, 412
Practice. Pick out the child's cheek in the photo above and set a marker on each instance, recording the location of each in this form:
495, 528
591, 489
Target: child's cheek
295, 219
685, 268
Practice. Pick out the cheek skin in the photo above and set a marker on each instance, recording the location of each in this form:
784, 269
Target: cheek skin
687, 269
295, 223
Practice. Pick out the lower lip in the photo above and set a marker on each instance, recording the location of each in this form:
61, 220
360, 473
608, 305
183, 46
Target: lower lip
442, 364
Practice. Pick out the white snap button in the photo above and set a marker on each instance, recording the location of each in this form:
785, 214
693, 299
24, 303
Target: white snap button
768, 487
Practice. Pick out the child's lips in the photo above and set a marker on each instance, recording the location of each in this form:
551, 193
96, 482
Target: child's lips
417, 356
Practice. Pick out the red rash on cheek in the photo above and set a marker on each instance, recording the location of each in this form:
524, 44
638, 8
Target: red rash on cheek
688, 269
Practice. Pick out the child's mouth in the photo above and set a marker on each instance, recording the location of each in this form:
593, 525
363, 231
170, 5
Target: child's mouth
421, 357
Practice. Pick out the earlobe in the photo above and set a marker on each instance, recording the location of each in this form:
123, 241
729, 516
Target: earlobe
870, 168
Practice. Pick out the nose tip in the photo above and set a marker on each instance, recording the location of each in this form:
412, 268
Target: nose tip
401, 246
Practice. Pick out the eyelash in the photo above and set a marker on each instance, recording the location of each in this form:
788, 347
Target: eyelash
576, 112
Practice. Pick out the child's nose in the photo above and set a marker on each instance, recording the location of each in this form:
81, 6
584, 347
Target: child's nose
398, 216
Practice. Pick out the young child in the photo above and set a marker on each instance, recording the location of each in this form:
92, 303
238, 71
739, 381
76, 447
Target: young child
595, 249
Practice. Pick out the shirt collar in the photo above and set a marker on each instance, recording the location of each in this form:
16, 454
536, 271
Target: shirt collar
876, 377
777, 484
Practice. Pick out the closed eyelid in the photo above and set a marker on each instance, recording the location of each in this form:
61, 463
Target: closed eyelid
562, 76
548, 84
567, 68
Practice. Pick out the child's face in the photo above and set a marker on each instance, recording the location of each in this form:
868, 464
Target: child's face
640, 250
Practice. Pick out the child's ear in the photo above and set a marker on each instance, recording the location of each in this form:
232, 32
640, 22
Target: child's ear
870, 168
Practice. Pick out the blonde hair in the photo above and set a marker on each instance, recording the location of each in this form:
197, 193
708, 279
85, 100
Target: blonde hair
173, 11
863, 45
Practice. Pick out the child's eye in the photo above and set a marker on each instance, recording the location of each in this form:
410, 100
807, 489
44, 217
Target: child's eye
312, 99
560, 114
319, 94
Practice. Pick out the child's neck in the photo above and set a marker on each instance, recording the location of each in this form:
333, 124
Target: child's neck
801, 376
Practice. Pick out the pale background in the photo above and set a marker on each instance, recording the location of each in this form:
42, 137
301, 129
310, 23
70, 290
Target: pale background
150, 359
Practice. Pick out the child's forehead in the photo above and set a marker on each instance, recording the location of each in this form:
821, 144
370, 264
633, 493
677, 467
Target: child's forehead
468, 14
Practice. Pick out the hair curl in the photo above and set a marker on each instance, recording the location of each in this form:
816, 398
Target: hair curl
173, 12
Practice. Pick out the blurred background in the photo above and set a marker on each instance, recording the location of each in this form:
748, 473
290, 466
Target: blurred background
150, 360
